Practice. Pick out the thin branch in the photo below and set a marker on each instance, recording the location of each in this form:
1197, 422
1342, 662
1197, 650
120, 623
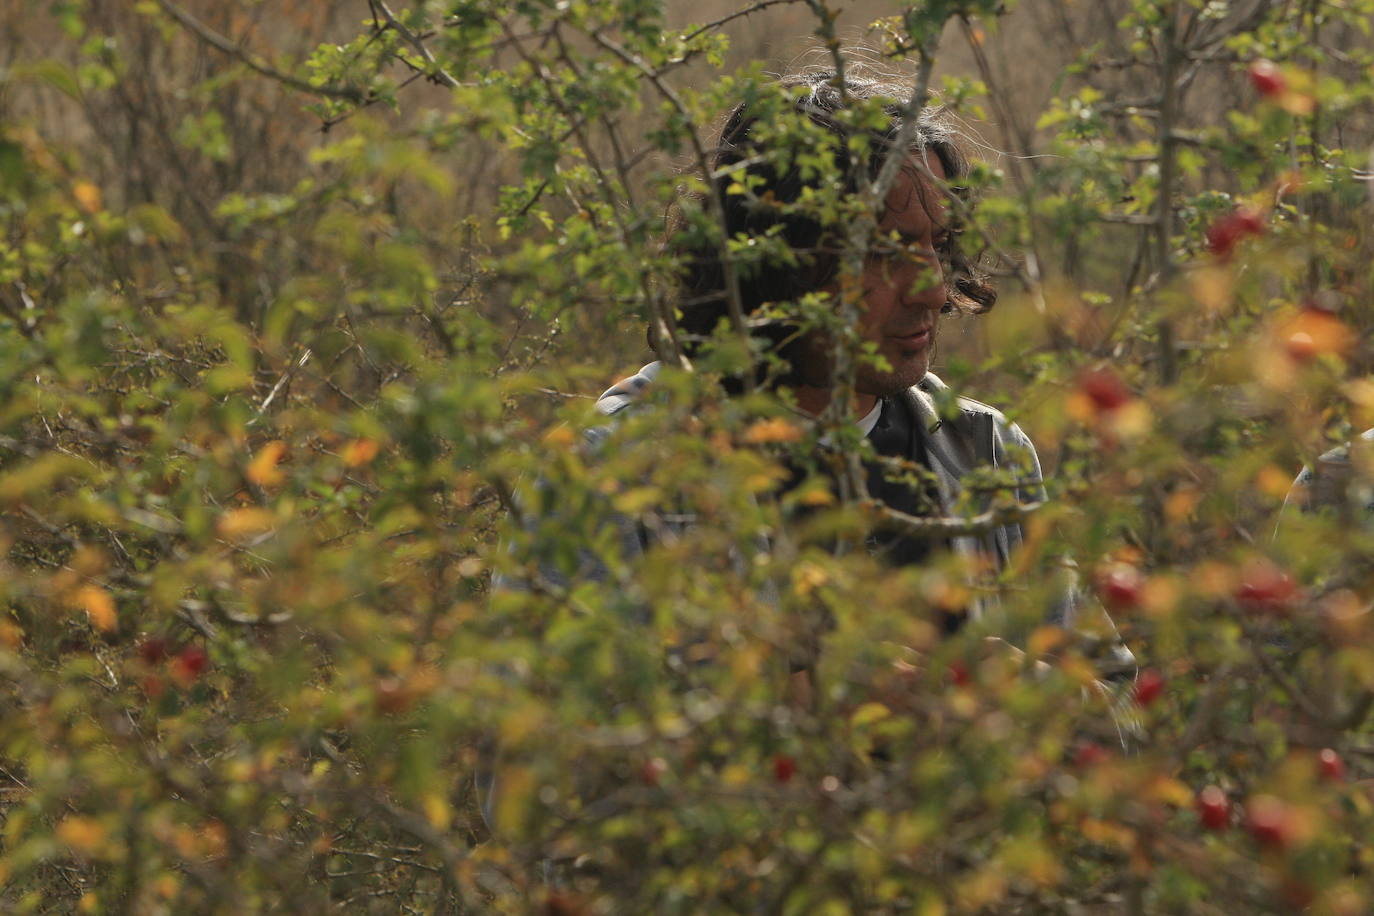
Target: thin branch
713, 201
749, 10
416, 42
252, 61
952, 526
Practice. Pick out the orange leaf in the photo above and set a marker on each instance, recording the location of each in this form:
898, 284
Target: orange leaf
99, 606
775, 430
1313, 332
82, 834
87, 196
360, 452
239, 522
263, 470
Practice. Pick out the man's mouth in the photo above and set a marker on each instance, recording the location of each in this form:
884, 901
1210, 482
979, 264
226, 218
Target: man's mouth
912, 341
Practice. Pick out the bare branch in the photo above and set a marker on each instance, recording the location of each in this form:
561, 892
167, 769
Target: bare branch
252, 61
738, 14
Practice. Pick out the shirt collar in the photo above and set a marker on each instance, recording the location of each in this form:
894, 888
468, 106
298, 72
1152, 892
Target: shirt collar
870, 420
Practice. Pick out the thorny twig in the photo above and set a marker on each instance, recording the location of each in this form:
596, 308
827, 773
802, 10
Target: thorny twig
252, 61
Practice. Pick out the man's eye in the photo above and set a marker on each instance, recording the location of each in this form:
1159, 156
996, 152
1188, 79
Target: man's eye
899, 249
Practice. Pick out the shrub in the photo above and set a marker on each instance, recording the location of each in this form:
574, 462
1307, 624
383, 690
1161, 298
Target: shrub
268, 430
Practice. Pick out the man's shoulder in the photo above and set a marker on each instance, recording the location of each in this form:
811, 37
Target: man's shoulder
628, 390
932, 392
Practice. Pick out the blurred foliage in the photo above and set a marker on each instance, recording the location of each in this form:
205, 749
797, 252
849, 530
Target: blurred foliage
299, 308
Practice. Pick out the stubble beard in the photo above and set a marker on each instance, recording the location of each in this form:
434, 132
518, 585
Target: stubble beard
868, 379
813, 367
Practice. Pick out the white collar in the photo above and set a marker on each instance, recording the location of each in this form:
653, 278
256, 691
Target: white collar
871, 420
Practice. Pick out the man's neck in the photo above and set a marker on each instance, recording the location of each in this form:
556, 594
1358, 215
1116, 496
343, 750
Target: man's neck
815, 400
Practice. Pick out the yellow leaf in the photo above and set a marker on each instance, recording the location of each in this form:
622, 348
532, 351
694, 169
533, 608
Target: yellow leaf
1045, 640
165, 886
559, 437
807, 577
775, 429
1169, 790
1211, 286
637, 500
1133, 421
237, 523
931, 906
1078, 669
869, 713
437, 810
816, 496
1160, 596
521, 723
1297, 103
87, 196
734, 776
1107, 833
263, 470
1273, 481
11, 635
1179, 505
82, 834
1213, 579
99, 606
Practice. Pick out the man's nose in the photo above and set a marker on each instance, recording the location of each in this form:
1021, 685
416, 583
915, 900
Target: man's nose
924, 284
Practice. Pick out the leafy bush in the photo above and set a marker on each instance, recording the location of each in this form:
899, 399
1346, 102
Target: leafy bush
277, 404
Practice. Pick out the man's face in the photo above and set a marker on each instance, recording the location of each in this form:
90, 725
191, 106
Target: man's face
902, 286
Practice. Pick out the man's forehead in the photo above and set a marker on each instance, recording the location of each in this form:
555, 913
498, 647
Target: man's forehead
914, 200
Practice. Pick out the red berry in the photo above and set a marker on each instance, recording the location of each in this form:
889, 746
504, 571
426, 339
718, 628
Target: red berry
1089, 754
1265, 587
1249, 221
1148, 687
1104, 388
1268, 821
1120, 586
189, 664
1213, 809
784, 768
958, 674
653, 771
1224, 234
1330, 765
1314, 331
1222, 237
152, 650
1300, 346
1267, 79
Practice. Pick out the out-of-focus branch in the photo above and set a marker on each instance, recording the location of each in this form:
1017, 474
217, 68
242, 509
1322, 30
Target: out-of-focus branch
252, 61
937, 527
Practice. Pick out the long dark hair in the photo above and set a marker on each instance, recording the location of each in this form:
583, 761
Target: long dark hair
815, 246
